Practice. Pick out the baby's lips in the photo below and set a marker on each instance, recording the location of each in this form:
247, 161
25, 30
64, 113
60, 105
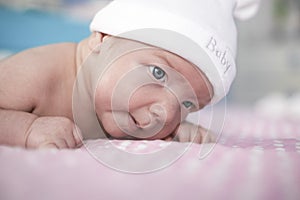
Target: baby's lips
143, 122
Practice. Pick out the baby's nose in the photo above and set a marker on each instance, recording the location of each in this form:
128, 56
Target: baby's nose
158, 112
165, 111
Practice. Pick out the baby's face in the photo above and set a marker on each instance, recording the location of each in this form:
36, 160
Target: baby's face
145, 94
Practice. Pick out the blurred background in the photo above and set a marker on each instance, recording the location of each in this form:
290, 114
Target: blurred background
29, 23
268, 53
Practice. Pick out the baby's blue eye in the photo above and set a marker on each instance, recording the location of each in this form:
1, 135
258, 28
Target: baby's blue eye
187, 104
158, 73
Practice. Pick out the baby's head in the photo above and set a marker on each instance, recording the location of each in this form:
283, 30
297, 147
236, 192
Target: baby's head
145, 91
176, 58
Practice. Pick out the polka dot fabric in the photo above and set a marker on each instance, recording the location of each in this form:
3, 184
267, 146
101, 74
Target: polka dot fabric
255, 158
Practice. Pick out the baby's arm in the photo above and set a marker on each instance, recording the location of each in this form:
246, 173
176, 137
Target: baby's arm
23, 85
188, 132
14, 125
20, 128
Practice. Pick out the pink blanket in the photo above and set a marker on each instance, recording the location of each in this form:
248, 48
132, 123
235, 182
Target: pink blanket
255, 158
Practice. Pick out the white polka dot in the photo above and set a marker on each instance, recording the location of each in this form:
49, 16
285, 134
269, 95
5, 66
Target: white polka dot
258, 148
278, 145
121, 147
280, 149
125, 143
164, 144
78, 150
141, 147
53, 151
105, 145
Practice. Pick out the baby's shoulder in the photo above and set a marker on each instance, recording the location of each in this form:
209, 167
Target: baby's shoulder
51, 60
43, 56
44, 66
54, 54
56, 63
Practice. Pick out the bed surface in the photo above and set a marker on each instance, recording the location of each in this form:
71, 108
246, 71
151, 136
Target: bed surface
254, 158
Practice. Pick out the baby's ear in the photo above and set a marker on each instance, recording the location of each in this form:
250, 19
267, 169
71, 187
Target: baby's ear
95, 41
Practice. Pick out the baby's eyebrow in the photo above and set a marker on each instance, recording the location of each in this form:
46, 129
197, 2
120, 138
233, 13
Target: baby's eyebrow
163, 59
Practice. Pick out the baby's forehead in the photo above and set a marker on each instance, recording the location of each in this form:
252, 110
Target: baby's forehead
150, 53
143, 50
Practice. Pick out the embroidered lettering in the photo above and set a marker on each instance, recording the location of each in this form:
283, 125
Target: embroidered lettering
221, 55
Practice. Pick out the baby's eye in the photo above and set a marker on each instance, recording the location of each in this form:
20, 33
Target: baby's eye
188, 104
158, 73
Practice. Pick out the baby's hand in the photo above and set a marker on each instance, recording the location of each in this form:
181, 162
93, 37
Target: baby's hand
53, 132
188, 132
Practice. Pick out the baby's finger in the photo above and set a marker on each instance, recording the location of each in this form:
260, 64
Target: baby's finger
73, 137
48, 146
210, 138
182, 134
196, 138
77, 136
61, 143
169, 138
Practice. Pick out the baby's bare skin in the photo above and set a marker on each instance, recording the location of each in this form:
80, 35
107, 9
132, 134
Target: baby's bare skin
36, 97
36, 90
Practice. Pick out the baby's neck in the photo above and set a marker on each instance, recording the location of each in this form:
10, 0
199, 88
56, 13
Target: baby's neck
81, 53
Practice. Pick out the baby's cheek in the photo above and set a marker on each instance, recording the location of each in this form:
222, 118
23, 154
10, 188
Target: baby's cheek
109, 125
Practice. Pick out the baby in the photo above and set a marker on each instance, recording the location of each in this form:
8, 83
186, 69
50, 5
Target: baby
144, 68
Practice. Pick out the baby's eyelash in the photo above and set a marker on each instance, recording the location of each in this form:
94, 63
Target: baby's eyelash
158, 73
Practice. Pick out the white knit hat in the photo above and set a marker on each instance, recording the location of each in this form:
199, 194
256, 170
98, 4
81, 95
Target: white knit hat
201, 31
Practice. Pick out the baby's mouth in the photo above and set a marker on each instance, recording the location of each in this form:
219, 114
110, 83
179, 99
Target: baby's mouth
133, 119
142, 128
137, 123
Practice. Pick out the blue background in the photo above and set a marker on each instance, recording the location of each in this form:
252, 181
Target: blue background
28, 28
